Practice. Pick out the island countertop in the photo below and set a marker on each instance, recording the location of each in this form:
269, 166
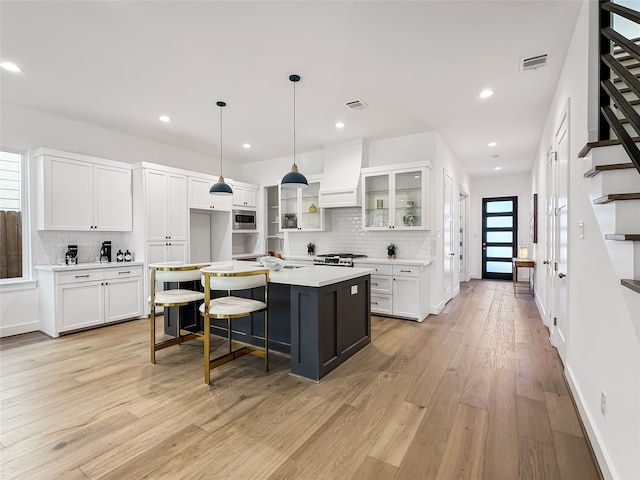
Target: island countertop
301, 275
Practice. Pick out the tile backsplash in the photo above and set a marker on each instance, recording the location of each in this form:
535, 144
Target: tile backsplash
345, 235
50, 246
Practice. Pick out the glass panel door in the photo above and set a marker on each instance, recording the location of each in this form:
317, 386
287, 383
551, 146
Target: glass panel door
499, 236
408, 199
288, 208
376, 201
310, 211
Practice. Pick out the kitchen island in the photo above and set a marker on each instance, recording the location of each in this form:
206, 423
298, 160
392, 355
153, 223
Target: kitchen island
319, 315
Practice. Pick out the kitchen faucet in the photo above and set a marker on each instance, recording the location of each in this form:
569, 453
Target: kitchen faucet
272, 237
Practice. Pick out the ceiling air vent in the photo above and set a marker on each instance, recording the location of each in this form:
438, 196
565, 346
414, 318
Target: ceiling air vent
532, 63
356, 105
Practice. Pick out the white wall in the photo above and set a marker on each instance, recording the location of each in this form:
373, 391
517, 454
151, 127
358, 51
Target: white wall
27, 130
603, 352
498, 185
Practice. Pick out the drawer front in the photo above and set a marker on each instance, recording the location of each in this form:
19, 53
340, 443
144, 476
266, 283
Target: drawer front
381, 269
406, 271
381, 304
381, 284
122, 272
78, 276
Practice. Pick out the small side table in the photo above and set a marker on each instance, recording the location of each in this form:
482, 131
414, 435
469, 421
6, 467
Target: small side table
523, 263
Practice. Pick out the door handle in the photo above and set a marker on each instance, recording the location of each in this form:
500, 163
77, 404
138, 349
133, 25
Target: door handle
561, 275
545, 262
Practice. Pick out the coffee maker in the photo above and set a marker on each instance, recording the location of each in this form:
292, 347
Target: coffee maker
71, 256
105, 252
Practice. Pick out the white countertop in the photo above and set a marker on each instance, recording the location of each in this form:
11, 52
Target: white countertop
306, 276
85, 266
389, 261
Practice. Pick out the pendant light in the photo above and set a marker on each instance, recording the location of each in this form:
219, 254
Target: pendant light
294, 179
221, 188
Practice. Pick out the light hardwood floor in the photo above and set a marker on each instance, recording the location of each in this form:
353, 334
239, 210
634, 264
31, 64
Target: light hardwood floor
476, 392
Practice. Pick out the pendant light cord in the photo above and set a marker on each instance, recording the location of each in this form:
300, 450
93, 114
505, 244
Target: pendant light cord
294, 123
220, 141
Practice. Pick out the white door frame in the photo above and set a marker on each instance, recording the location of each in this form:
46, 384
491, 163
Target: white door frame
464, 225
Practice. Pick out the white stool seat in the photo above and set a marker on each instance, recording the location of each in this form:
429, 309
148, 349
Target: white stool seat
167, 297
232, 306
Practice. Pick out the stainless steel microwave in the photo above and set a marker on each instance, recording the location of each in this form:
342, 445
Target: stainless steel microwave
244, 219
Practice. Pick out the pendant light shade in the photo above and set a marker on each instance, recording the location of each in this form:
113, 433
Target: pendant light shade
221, 188
294, 179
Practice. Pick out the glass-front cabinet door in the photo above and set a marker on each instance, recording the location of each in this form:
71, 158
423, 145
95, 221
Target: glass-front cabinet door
376, 203
289, 210
299, 209
408, 200
395, 200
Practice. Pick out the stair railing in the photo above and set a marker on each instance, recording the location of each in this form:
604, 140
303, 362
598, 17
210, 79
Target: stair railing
611, 95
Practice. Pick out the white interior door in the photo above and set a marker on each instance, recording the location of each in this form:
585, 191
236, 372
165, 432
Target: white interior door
560, 330
448, 237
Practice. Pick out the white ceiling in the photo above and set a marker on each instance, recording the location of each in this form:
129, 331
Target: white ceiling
418, 65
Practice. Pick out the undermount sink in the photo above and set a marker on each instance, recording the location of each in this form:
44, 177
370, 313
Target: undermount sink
291, 267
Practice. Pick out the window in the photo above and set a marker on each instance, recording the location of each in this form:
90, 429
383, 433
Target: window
12, 211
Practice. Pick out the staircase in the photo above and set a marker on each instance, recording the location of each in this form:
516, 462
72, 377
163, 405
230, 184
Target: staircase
614, 190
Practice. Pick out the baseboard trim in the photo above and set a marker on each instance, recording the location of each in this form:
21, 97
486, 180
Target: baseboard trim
436, 309
541, 312
597, 446
19, 329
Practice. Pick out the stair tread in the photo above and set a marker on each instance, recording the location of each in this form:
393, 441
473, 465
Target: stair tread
612, 197
632, 284
633, 237
602, 143
603, 168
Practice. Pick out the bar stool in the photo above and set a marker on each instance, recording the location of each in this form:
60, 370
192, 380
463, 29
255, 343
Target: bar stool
229, 307
172, 273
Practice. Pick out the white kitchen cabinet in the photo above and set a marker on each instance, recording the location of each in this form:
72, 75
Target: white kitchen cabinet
245, 195
399, 290
299, 209
201, 199
82, 193
168, 251
83, 296
395, 199
165, 205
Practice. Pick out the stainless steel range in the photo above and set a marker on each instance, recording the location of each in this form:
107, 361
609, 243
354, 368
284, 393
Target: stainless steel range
337, 259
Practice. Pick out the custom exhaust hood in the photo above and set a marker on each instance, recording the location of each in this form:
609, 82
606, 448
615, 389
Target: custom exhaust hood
340, 184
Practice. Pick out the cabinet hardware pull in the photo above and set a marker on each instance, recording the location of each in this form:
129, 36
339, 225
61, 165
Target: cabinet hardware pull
406, 271
120, 273
82, 276
374, 284
374, 303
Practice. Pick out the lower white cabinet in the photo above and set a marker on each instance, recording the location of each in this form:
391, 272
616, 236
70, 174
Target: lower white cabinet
73, 298
399, 290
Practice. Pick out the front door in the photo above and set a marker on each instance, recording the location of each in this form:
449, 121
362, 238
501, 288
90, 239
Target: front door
499, 236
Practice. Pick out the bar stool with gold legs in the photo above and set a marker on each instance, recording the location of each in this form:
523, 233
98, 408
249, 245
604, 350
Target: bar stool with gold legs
172, 273
229, 307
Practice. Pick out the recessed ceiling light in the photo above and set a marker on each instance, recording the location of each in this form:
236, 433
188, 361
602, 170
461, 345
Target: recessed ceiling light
492, 144
11, 67
485, 93
416, 176
164, 118
498, 168
339, 125
246, 145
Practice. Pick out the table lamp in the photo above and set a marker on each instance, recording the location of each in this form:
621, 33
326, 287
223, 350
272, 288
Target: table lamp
523, 252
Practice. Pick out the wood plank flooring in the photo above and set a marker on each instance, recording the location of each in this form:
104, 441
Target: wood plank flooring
476, 392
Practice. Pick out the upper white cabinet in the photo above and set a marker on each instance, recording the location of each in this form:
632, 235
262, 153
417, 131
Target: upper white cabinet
77, 192
395, 199
200, 198
299, 209
165, 205
245, 195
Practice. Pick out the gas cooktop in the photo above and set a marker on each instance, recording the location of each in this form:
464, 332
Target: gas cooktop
337, 259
